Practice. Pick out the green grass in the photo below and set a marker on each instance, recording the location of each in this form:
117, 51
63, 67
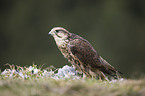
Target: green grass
48, 86
51, 87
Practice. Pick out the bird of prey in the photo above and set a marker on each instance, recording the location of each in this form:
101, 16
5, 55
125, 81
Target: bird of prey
81, 54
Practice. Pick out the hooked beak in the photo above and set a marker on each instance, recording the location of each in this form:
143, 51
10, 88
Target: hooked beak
49, 34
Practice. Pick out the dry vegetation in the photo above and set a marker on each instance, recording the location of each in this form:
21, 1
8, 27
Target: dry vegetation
38, 85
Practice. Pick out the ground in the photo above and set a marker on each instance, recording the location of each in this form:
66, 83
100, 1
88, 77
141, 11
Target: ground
37, 84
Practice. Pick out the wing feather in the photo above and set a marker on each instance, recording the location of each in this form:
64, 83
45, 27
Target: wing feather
84, 51
86, 54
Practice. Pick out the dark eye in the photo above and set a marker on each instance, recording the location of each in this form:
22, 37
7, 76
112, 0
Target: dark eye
57, 30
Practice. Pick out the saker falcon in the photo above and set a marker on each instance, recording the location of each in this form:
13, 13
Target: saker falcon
81, 54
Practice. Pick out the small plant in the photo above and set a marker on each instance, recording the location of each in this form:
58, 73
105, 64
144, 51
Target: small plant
33, 71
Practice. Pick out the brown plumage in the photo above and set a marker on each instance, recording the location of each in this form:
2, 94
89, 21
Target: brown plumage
81, 54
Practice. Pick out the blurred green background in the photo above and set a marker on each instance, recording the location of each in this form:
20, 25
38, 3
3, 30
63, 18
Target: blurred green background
116, 29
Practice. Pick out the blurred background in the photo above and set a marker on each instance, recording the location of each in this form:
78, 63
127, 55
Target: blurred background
116, 29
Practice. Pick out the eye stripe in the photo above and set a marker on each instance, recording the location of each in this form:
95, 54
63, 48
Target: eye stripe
60, 30
58, 36
56, 30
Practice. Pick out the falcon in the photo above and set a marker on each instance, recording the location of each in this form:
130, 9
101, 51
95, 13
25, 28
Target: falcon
81, 54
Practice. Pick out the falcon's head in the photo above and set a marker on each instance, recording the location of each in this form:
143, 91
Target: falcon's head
59, 33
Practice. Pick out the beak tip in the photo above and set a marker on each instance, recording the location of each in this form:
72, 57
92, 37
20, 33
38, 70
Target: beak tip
49, 34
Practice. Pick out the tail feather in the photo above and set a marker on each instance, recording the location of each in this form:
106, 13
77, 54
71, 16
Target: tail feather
111, 71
